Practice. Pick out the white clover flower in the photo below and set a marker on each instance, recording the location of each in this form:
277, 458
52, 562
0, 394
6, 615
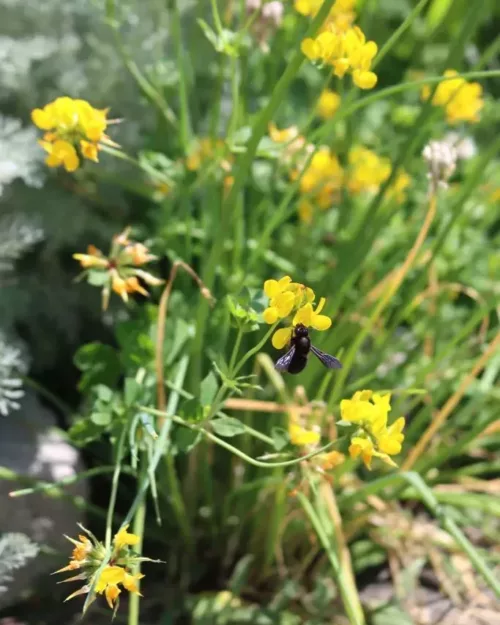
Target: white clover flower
441, 158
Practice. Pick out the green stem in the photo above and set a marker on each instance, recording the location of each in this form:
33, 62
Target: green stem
185, 123
236, 349
350, 605
255, 349
44, 392
55, 487
138, 530
120, 448
384, 50
146, 87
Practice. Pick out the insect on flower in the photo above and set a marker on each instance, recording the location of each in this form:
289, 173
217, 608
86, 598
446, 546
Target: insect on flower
295, 360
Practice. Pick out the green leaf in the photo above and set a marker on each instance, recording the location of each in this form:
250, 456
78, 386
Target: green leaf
262, 174
209, 34
102, 419
227, 426
84, 431
185, 439
104, 393
97, 277
208, 389
100, 364
280, 438
343, 424
132, 391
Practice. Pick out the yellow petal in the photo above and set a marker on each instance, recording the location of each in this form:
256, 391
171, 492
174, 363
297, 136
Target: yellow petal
320, 306
42, 119
284, 303
304, 315
310, 49
281, 337
321, 322
300, 436
125, 538
271, 288
270, 315
111, 575
111, 594
364, 80
130, 582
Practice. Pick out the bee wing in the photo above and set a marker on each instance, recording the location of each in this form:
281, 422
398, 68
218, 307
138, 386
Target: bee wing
330, 362
283, 363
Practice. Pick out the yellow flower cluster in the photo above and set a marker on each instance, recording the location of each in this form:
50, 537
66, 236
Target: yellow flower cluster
328, 104
461, 100
286, 297
369, 411
119, 271
367, 170
320, 183
88, 555
74, 129
346, 51
341, 15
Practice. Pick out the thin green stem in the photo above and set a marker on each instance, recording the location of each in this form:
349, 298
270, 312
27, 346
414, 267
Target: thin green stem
353, 613
216, 17
138, 530
235, 351
146, 87
255, 349
388, 45
185, 122
55, 487
44, 392
120, 449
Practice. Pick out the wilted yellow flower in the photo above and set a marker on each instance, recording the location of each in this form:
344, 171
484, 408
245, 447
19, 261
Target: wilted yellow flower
346, 51
328, 103
373, 438
89, 554
367, 170
71, 126
461, 100
119, 271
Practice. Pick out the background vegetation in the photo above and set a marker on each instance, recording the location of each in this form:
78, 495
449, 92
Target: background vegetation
410, 277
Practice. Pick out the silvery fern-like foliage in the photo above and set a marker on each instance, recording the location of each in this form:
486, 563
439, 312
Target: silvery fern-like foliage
15, 551
17, 235
20, 155
12, 365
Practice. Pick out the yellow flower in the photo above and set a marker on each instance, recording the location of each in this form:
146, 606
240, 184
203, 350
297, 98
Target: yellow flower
282, 136
119, 271
370, 411
346, 50
341, 15
83, 547
89, 555
300, 436
321, 181
397, 190
461, 100
281, 299
122, 538
305, 316
390, 440
367, 170
330, 460
71, 124
365, 448
328, 103
61, 153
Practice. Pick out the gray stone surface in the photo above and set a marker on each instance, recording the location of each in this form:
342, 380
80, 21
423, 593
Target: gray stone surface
31, 446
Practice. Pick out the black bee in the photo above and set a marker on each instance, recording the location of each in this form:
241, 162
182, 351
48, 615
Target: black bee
295, 359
